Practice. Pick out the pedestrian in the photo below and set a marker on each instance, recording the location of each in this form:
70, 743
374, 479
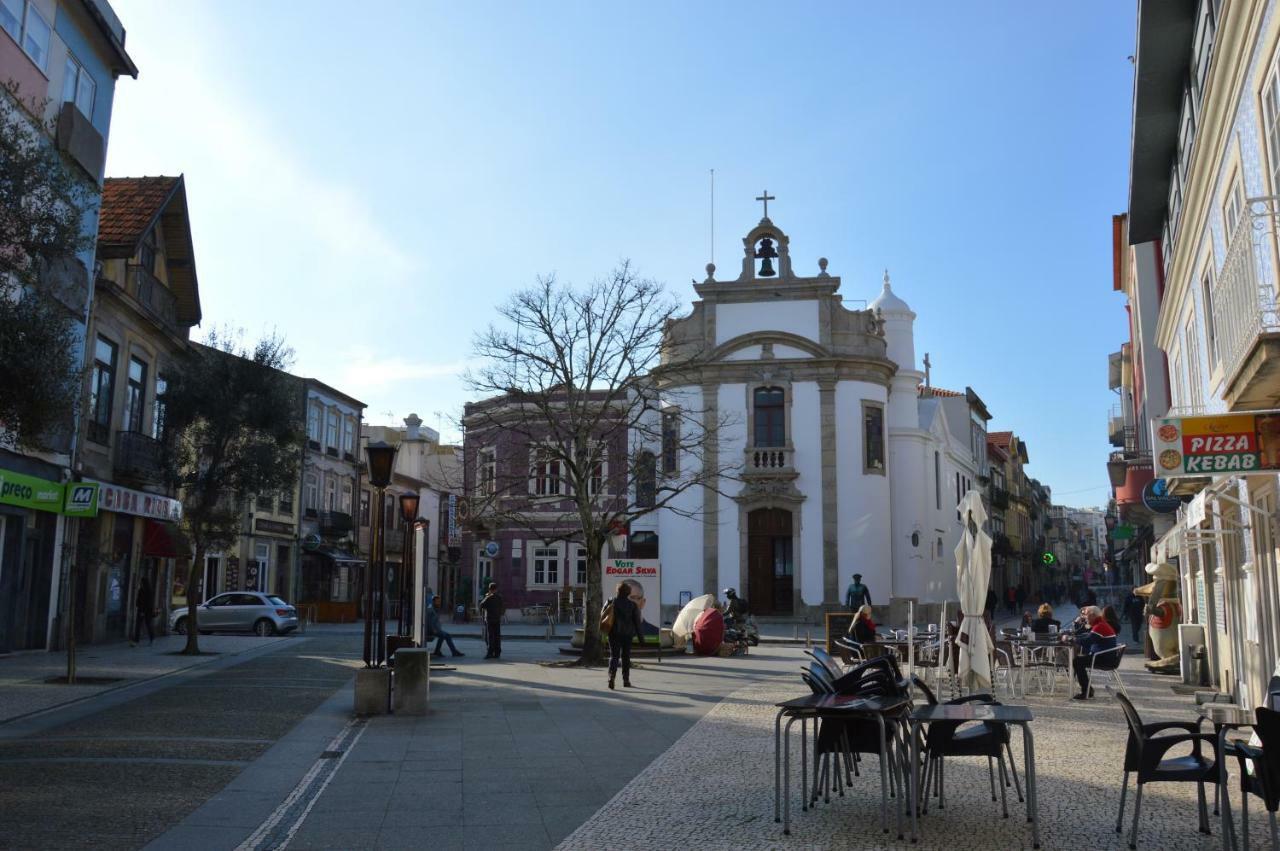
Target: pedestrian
627, 627
1011, 599
435, 629
493, 609
989, 610
1022, 596
143, 612
857, 595
1136, 611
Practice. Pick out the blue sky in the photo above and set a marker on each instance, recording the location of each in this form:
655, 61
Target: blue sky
371, 179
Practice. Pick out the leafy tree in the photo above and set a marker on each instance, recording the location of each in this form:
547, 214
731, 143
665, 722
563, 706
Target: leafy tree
43, 290
233, 429
581, 374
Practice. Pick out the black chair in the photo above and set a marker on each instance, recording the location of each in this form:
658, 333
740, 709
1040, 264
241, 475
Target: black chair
1265, 779
1273, 693
826, 660
949, 739
1145, 756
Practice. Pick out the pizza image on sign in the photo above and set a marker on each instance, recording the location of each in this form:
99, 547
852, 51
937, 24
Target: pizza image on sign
1168, 432
1170, 459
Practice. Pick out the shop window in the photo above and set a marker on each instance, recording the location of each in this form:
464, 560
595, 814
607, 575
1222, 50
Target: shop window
643, 545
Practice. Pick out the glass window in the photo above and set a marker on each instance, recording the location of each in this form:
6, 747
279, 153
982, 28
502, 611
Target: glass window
78, 86
331, 493
670, 441
102, 387
136, 396
580, 566
266, 504
873, 437
546, 566
488, 471
1233, 208
937, 480
11, 17
348, 435
332, 430
346, 496
364, 508
310, 493
546, 472
646, 480
643, 545
770, 417
313, 422
1271, 120
1210, 328
35, 37
286, 502
157, 408
595, 482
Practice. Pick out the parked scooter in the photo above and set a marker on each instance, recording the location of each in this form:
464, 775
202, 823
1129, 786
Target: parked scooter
739, 627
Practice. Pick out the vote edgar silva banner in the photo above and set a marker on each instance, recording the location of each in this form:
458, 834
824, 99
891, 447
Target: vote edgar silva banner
644, 577
1216, 444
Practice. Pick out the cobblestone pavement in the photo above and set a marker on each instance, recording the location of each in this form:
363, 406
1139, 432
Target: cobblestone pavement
23, 676
729, 803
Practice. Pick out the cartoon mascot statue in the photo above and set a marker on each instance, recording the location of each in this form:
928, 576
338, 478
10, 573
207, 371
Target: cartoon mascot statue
1164, 613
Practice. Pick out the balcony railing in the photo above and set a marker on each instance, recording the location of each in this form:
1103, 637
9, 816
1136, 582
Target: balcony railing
138, 457
335, 524
154, 296
770, 460
1244, 303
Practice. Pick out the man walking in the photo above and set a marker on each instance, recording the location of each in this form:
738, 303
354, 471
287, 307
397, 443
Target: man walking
857, 595
435, 629
493, 609
1136, 610
143, 612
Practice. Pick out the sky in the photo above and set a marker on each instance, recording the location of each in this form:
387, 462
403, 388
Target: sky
371, 180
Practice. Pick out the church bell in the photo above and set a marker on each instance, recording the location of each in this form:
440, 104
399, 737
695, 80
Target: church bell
766, 252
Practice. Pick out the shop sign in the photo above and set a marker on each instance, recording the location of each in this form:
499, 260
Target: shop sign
81, 499
1157, 499
273, 527
127, 501
1123, 532
1216, 445
30, 492
455, 533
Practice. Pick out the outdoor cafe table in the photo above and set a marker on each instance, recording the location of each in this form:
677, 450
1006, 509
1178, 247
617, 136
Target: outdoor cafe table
999, 713
816, 706
1225, 717
1029, 644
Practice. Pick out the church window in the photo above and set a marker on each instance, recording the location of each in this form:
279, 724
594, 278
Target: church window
937, 480
873, 437
670, 441
770, 417
646, 480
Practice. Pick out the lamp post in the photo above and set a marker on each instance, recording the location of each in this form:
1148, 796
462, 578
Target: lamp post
409, 514
381, 459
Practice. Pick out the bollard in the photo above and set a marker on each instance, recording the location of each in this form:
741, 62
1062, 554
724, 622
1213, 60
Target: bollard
371, 691
412, 681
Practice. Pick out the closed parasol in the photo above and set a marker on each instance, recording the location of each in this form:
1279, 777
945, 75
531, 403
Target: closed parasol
973, 573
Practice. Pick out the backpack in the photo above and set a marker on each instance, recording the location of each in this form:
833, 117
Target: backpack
606, 618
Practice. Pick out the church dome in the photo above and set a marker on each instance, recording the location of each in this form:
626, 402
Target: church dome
888, 303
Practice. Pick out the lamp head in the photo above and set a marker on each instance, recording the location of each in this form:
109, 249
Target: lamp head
381, 458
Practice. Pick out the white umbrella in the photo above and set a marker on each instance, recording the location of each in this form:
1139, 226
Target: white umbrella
973, 574
683, 626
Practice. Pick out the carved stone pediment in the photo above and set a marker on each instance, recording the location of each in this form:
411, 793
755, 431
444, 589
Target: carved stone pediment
769, 491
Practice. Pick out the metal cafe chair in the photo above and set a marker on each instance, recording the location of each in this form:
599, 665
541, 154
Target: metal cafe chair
1264, 781
1110, 666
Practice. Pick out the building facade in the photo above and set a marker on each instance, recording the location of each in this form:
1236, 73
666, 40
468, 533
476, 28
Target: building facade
62, 59
1201, 229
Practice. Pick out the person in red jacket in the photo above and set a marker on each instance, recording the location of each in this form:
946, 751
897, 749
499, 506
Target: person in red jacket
1100, 637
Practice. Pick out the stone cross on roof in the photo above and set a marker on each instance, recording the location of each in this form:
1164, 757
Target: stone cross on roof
766, 198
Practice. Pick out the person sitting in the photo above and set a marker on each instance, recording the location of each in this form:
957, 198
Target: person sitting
863, 628
1026, 620
1045, 619
1111, 616
436, 631
1100, 637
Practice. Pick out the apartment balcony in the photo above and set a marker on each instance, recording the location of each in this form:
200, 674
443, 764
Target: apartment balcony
138, 458
1245, 319
1115, 426
335, 524
154, 297
770, 461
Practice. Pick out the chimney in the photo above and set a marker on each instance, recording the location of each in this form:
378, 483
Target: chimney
411, 425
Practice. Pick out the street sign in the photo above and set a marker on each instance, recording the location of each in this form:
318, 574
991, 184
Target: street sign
1157, 499
1123, 532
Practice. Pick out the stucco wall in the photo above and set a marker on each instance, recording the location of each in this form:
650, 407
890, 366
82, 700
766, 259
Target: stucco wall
862, 529
796, 317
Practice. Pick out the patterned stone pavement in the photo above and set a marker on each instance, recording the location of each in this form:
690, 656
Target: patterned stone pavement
727, 802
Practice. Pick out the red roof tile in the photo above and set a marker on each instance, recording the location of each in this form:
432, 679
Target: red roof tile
129, 205
1000, 438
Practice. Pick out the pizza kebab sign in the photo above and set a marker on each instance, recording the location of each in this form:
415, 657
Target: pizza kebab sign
1216, 444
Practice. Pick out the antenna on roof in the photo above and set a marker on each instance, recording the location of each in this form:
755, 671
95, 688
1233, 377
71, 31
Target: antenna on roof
713, 216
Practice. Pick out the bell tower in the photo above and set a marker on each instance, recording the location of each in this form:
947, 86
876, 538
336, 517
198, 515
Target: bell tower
763, 246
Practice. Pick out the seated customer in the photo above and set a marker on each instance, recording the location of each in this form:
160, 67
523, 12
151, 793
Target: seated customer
1045, 619
436, 631
863, 628
1099, 638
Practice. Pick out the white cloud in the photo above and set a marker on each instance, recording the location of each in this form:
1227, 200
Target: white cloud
364, 370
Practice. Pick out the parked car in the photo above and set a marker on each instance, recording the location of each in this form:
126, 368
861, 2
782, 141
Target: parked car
239, 611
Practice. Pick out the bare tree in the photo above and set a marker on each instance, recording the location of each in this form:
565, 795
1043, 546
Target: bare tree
585, 387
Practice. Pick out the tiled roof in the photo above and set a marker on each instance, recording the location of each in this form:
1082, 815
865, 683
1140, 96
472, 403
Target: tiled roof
1000, 438
129, 205
995, 451
938, 391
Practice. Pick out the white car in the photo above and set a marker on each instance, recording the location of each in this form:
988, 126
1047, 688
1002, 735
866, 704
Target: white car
239, 611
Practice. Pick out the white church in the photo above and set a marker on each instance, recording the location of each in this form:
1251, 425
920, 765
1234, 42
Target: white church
851, 463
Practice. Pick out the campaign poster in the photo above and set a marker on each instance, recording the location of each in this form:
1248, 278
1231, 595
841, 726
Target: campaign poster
644, 577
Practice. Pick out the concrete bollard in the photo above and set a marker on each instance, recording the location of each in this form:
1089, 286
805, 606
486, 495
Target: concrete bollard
372, 685
413, 681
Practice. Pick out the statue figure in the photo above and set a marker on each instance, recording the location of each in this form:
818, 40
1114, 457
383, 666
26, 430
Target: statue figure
1164, 613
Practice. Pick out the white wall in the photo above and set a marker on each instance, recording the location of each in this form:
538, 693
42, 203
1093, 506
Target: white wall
806, 436
733, 443
862, 513
796, 317
680, 537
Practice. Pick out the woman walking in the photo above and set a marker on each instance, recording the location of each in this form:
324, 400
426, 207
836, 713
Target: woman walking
627, 627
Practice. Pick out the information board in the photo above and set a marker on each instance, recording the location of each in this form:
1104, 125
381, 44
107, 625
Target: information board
838, 624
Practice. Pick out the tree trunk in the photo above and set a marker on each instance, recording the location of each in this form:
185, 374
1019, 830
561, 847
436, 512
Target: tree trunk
193, 624
592, 641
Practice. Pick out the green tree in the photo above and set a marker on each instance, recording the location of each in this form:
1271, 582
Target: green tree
43, 289
233, 421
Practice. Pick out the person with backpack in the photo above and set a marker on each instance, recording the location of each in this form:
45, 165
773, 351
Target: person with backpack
620, 620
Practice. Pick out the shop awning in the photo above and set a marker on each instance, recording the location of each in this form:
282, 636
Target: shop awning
164, 540
338, 556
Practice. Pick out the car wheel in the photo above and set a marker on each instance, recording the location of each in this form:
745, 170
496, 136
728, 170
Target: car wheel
180, 627
264, 627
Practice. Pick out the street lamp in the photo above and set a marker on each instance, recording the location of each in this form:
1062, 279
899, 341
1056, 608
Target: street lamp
381, 458
409, 514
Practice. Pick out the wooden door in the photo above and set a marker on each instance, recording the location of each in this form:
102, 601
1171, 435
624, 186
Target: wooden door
767, 592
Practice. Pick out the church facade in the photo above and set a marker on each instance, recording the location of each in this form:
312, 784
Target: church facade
846, 461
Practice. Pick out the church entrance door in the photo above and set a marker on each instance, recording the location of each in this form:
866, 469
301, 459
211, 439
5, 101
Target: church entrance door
769, 563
